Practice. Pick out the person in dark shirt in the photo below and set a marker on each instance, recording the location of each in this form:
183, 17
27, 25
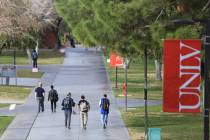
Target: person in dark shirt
72, 42
53, 98
39, 95
67, 105
34, 56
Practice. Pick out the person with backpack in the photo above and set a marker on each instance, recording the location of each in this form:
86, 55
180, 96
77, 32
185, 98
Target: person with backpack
84, 107
39, 95
67, 105
53, 98
104, 104
34, 56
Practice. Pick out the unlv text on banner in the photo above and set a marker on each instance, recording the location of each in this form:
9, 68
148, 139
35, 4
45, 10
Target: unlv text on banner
182, 76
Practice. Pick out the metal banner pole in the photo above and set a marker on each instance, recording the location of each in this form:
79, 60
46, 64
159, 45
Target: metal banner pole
116, 77
145, 94
207, 81
126, 85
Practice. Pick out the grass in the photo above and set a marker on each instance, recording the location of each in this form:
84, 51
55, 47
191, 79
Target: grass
4, 121
136, 81
29, 74
173, 126
45, 57
14, 93
3, 105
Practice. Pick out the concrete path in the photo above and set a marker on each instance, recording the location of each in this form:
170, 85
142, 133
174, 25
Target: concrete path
21, 81
83, 72
25, 114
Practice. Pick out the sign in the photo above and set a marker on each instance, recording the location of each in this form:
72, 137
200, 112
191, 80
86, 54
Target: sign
8, 71
116, 61
35, 70
182, 67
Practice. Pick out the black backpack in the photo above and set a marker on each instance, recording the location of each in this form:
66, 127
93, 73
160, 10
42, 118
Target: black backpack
68, 103
53, 95
34, 55
105, 104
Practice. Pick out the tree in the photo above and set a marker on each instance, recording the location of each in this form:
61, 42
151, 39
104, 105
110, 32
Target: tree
21, 17
127, 26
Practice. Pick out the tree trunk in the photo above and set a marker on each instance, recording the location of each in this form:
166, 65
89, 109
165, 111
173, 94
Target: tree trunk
1, 48
29, 55
37, 46
58, 41
129, 62
158, 69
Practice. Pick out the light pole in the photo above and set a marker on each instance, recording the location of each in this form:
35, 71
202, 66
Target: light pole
206, 68
145, 94
116, 70
207, 81
14, 55
126, 85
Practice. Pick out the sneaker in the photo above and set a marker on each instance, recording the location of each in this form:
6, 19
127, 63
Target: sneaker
104, 126
69, 127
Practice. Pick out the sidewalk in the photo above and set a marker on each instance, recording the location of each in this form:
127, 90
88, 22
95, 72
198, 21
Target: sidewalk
83, 72
21, 81
25, 114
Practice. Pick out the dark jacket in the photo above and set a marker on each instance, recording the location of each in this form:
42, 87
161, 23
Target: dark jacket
53, 95
68, 103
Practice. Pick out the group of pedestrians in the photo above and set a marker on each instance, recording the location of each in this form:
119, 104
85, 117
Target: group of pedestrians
68, 104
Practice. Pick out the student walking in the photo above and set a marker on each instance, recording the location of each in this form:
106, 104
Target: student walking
84, 107
34, 56
67, 105
53, 98
104, 104
39, 95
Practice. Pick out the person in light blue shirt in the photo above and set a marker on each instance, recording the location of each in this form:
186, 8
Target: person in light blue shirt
104, 104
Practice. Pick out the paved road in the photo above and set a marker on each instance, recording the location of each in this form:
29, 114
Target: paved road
83, 72
25, 114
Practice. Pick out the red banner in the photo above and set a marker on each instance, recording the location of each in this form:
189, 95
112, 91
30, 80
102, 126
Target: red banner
115, 60
181, 85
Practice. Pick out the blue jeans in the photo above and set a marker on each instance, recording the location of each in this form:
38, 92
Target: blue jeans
104, 119
67, 113
40, 103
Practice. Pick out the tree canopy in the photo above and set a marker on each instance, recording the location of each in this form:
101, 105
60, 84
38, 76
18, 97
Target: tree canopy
22, 21
130, 25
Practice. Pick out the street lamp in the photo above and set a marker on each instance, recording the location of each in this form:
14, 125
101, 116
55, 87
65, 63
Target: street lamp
145, 94
206, 67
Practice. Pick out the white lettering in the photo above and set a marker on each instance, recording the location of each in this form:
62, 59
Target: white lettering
193, 72
195, 106
185, 85
190, 54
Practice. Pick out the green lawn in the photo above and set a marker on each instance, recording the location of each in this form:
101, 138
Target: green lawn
29, 74
174, 126
15, 93
4, 121
45, 57
2, 105
136, 81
